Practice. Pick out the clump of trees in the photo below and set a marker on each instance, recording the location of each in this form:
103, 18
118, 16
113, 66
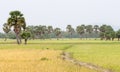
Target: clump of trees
26, 35
17, 21
107, 32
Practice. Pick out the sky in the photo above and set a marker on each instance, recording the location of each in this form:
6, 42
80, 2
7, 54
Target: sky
60, 13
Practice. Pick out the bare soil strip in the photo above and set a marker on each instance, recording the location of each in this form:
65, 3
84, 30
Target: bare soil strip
67, 56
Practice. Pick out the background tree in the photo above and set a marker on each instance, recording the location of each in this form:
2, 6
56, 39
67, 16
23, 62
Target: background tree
17, 21
102, 31
38, 31
44, 32
108, 32
96, 30
32, 30
57, 32
80, 30
50, 30
118, 34
70, 30
89, 29
113, 35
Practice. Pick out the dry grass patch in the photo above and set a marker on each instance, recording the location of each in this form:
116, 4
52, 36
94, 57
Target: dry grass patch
30, 60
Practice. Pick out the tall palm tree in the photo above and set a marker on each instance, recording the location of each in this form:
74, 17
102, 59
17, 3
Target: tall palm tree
80, 30
32, 30
84, 28
102, 31
89, 29
17, 21
50, 30
41, 31
70, 30
109, 33
118, 34
96, 28
44, 32
38, 31
57, 32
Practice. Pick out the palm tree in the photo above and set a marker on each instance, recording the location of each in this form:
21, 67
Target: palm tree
84, 28
32, 30
41, 31
118, 34
70, 30
17, 21
57, 32
50, 30
89, 29
102, 31
80, 30
44, 32
109, 32
38, 31
96, 28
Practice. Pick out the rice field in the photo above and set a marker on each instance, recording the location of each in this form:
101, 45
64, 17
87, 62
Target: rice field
44, 55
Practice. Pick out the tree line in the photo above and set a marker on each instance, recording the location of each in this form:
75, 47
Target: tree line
18, 23
104, 32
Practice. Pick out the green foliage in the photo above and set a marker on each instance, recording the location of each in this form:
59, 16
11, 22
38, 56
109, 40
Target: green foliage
107, 32
80, 29
70, 30
118, 32
6, 28
96, 28
57, 31
16, 19
25, 35
89, 29
50, 29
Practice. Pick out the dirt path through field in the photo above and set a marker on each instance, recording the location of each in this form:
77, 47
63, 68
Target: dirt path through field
67, 56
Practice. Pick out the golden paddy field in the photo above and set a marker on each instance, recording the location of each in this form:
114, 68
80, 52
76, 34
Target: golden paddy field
35, 60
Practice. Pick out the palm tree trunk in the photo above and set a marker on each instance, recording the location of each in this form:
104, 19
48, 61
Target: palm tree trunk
5, 37
25, 41
17, 30
70, 35
57, 38
18, 40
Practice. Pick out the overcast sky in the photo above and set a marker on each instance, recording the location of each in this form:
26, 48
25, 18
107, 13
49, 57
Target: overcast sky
59, 13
